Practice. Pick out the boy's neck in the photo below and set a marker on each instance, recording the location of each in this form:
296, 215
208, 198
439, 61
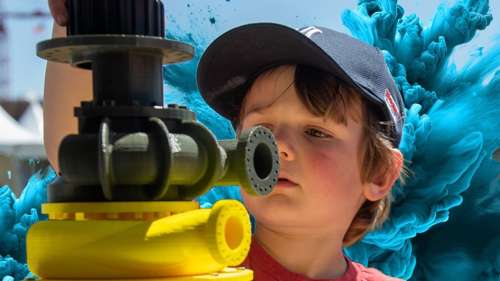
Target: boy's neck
316, 256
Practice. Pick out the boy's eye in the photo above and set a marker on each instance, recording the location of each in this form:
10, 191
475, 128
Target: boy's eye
316, 133
312, 132
269, 126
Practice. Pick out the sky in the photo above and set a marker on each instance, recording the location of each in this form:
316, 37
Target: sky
26, 70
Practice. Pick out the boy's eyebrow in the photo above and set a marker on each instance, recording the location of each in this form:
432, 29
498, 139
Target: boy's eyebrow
315, 120
256, 109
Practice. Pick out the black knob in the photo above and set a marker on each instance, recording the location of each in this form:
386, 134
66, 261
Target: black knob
135, 17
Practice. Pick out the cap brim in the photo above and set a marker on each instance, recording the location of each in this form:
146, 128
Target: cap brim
233, 60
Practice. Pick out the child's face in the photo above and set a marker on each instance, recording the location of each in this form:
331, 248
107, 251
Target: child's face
320, 155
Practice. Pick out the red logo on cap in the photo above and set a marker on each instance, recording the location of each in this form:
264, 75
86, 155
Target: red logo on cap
392, 105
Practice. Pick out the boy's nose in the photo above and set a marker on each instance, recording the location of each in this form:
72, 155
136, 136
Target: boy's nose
285, 155
285, 146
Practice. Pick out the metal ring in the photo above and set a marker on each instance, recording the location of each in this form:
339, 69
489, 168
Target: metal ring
161, 185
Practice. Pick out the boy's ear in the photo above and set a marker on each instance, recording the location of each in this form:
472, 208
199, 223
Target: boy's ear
381, 184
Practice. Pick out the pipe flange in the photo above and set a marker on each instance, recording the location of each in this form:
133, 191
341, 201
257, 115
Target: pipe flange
81, 50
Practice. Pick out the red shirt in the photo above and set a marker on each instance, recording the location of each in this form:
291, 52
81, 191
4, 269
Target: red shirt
265, 268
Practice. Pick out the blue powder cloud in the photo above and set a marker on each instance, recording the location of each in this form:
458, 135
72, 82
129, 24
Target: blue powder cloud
16, 216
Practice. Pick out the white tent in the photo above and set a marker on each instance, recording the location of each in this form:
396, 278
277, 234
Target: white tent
32, 119
18, 141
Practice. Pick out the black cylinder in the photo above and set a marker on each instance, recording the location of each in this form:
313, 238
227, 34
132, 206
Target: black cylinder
128, 79
135, 17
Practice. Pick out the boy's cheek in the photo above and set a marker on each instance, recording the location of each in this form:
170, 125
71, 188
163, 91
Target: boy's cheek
332, 178
320, 166
329, 165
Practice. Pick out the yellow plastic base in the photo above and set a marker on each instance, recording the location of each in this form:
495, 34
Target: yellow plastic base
153, 241
228, 274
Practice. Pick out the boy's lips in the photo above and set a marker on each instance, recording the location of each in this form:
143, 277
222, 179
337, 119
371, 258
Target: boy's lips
284, 181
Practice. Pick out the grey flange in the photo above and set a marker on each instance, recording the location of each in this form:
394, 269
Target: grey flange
80, 50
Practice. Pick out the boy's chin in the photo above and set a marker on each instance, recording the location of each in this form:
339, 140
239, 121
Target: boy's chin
274, 210
271, 203
286, 224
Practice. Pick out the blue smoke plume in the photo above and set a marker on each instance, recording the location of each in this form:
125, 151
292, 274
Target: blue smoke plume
449, 136
444, 220
16, 216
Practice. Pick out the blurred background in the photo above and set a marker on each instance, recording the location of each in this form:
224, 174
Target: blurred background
22, 24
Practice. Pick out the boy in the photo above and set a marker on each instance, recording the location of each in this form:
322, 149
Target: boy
324, 98
336, 116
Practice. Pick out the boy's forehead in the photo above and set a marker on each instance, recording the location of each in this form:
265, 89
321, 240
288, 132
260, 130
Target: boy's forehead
269, 87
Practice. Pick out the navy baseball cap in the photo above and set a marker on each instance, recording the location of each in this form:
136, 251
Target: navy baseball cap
232, 62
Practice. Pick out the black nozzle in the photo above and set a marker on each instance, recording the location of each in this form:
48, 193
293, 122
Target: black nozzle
253, 161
